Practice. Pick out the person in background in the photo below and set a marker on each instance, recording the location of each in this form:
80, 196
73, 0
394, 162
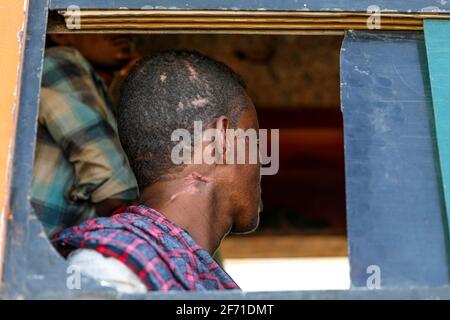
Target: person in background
166, 242
80, 169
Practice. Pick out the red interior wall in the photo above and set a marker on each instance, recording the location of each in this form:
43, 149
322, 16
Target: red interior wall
310, 180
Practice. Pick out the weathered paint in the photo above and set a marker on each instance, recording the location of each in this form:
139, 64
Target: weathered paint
12, 29
438, 51
298, 5
395, 205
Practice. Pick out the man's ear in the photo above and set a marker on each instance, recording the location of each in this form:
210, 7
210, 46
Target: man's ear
216, 139
215, 146
222, 125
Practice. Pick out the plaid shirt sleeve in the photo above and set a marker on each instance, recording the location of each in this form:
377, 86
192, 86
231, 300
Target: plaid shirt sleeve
78, 119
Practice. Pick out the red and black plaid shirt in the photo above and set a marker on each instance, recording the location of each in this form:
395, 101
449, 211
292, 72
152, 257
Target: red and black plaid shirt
162, 255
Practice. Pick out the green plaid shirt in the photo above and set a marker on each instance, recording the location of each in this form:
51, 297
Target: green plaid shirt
78, 160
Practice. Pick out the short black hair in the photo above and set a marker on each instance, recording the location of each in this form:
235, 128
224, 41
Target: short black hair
169, 91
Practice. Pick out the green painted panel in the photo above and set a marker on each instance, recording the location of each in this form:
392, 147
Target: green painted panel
437, 40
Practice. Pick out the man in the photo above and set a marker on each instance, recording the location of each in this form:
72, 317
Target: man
80, 168
185, 210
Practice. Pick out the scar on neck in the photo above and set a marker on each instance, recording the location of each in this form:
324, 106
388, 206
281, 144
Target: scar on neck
198, 177
195, 182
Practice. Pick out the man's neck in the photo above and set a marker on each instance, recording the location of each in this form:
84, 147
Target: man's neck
191, 203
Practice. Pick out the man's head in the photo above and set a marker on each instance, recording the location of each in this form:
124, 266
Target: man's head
110, 51
171, 91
